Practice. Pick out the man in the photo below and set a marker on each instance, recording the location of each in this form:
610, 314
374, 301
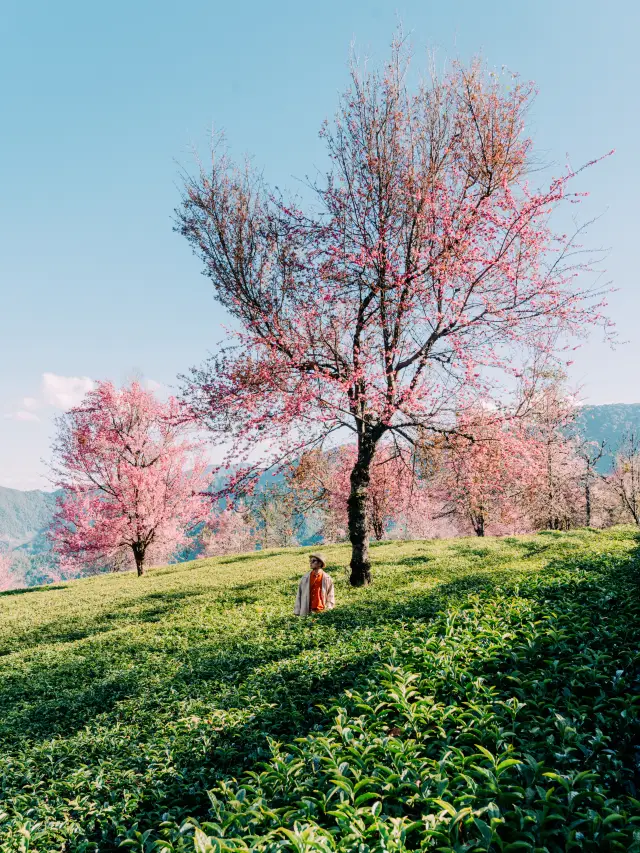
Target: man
315, 590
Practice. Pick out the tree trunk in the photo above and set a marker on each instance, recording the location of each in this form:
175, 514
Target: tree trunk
588, 500
357, 511
377, 520
477, 522
138, 554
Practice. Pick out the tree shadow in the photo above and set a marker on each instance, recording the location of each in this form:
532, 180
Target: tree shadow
45, 588
571, 582
241, 558
148, 608
529, 548
415, 561
482, 555
66, 696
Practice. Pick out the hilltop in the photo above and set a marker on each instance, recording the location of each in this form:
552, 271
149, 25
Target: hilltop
479, 696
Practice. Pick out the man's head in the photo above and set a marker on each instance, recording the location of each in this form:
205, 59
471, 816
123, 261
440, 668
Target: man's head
316, 562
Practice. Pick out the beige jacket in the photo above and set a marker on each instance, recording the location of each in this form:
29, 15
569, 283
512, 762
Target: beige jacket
304, 588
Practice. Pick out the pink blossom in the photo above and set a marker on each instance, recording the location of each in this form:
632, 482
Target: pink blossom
132, 481
8, 579
424, 276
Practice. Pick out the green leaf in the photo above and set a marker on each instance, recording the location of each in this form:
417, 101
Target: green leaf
202, 843
485, 830
486, 753
508, 762
446, 806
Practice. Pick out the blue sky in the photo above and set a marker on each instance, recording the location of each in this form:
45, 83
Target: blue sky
102, 103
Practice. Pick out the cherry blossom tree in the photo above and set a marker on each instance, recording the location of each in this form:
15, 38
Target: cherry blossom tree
230, 532
274, 511
625, 477
394, 495
8, 578
317, 482
490, 466
557, 498
426, 265
132, 481
422, 520
590, 452
394, 489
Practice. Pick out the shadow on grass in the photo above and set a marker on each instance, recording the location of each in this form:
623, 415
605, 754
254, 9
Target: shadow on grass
148, 608
242, 558
529, 548
204, 660
580, 608
415, 561
66, 695
46, 588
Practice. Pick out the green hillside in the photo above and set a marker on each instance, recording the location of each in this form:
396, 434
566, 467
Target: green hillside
480, 696
24, 514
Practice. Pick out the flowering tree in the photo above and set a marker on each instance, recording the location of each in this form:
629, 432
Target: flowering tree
323, 478
132, 480
557, 497
315, 483
8, 578
625, 477
426, 260
489, 468
277, 523
590, 452
230, 532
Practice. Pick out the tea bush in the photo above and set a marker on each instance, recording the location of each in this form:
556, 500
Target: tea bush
477, 697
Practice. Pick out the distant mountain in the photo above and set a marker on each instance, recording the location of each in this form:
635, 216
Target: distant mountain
24, 515
610, 422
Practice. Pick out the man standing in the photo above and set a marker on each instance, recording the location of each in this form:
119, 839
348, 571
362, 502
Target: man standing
315, 590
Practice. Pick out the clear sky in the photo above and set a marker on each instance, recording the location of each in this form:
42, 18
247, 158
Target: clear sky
102, 102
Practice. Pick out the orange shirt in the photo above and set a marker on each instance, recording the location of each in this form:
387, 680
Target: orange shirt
316, 601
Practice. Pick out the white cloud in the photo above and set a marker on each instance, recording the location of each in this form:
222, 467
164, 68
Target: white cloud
22, 415
64, 392
158, 389
30, 403
27, 483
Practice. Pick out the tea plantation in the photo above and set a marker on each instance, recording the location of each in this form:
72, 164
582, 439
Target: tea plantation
480, 696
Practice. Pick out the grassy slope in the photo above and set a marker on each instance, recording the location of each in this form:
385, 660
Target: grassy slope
123, 700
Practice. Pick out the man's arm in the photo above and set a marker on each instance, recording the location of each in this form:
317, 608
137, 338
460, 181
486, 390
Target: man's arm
331, 599
298, 604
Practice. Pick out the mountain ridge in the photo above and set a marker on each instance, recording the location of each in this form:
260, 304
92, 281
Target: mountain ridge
24, 514
608, 422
